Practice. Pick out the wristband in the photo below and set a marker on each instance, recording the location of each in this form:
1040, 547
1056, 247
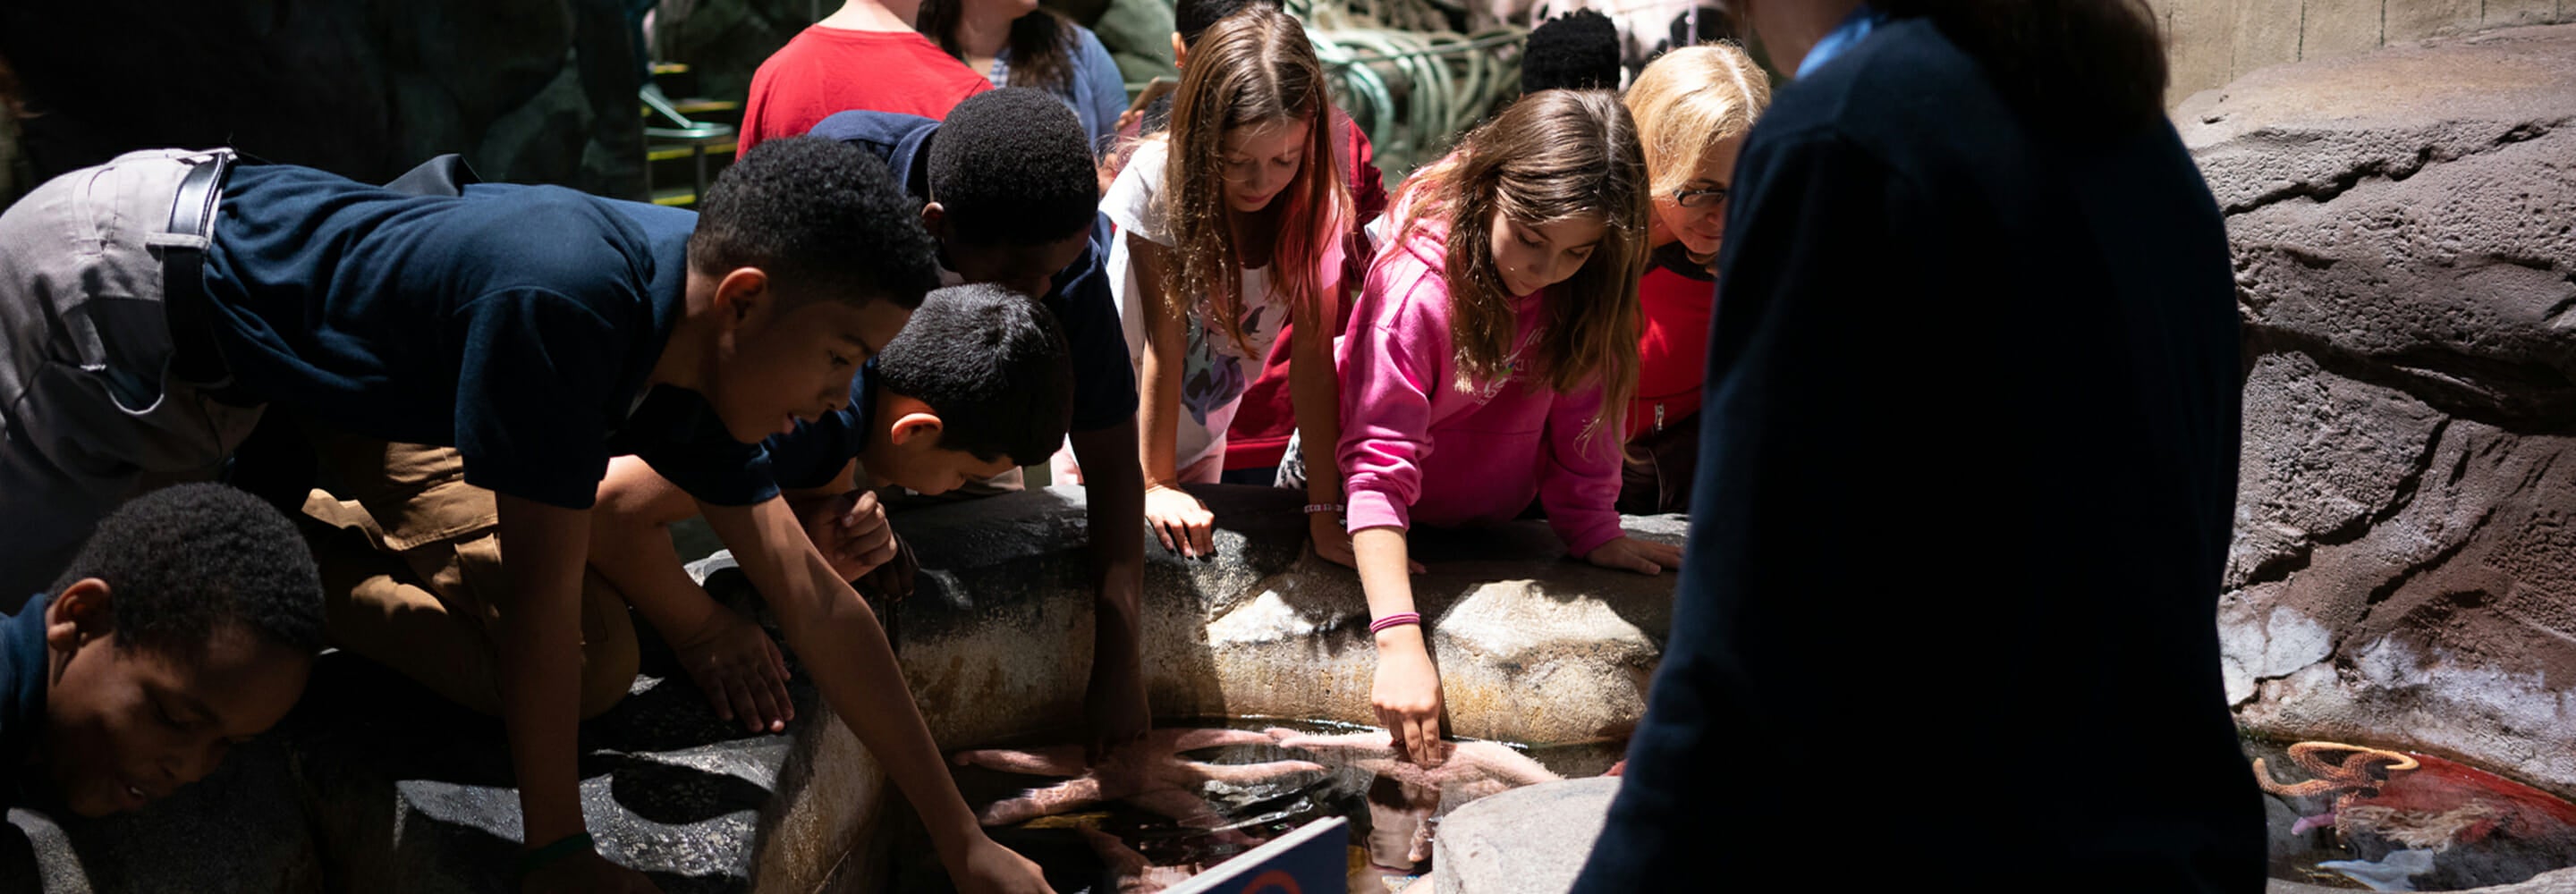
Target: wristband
1398, 619
563, 847
1312, 508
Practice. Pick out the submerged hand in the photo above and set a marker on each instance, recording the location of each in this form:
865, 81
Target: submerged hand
1182, 523
740, 669
1641, 556
1407, 698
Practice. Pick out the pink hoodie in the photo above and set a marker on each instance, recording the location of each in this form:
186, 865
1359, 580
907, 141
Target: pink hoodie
1499, 445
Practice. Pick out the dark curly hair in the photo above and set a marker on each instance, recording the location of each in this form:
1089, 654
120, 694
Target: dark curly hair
993, 364
823, 218
1575, 51
186, 562
1012, 167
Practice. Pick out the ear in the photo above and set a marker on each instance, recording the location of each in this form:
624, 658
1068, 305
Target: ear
916, 424
1180, 51
934, 218
80, 613
741, 295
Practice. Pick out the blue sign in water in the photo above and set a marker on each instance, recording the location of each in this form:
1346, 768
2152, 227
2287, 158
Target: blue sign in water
1312, 860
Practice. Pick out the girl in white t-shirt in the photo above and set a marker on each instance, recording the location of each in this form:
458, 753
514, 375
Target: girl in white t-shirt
1231, 225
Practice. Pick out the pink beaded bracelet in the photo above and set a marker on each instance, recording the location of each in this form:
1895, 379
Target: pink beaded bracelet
1398, 619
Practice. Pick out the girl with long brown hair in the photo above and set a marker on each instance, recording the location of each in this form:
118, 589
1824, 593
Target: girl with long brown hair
1233, 224
1489, 362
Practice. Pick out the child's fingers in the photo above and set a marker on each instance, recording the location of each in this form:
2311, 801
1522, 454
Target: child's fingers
1667, 555
770, 699
1203, 533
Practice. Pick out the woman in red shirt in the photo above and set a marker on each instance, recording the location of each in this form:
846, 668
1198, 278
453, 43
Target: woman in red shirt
1693, 107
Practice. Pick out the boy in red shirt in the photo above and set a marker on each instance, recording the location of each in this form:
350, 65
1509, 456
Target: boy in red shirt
865, 56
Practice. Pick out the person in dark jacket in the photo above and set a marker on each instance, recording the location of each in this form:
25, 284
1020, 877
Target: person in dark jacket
1967, 468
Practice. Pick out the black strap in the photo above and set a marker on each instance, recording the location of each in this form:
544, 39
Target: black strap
193, 356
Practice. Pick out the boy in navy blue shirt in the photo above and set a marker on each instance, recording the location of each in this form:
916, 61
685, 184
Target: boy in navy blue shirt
187, 623
538, 331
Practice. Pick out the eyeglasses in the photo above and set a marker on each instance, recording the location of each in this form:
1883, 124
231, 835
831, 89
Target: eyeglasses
1700, 199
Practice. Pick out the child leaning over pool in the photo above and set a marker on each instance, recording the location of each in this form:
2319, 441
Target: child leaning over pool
979, 382
1489, 362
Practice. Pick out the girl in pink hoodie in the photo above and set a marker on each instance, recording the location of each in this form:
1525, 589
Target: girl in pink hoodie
1488, 362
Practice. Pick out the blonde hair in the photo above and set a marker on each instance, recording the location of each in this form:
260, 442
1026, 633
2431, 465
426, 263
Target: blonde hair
1553, 155
1252, 68
1689, 100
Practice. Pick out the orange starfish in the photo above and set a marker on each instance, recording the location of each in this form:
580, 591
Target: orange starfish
2358, 774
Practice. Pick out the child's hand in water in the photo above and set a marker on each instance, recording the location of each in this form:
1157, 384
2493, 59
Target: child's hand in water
989, 868
1180, 521
1407, 694
1641, 556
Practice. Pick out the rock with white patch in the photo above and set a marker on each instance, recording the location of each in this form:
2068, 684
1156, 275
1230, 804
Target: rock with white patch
2404, 228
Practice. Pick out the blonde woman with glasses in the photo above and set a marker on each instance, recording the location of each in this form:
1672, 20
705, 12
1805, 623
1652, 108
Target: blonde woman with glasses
1693, 107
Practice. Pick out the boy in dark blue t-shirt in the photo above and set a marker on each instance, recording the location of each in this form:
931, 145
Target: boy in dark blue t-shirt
187, 622
150, 307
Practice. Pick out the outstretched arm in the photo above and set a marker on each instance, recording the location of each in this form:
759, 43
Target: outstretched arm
1114, 490
836, 635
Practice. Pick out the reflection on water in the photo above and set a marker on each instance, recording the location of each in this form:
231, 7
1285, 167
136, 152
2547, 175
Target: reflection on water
1305, 771
2348, 816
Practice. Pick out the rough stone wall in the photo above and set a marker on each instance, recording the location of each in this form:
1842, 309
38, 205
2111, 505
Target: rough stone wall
2217, 41
538, 91
2404, 225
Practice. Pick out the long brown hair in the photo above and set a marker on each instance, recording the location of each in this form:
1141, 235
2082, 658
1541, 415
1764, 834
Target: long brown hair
1041, 43
1553, 155
2090, 66
1253, 68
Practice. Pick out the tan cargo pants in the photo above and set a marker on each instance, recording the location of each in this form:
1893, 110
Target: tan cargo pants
412, 575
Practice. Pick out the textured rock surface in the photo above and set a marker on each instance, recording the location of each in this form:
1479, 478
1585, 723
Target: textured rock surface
2404, 224
1532, 647
1525, 841
538, 91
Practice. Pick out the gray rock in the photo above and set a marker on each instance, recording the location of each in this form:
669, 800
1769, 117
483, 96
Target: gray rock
1529, 840
2404, 226
992, 645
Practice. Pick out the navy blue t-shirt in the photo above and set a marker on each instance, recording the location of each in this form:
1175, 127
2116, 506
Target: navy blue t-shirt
517, 324
22, 691
1104, 385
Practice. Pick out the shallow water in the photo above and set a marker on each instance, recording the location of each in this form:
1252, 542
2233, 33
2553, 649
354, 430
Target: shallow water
1387, 815
2442, 827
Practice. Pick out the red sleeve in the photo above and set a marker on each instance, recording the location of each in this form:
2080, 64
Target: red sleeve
1366, 184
